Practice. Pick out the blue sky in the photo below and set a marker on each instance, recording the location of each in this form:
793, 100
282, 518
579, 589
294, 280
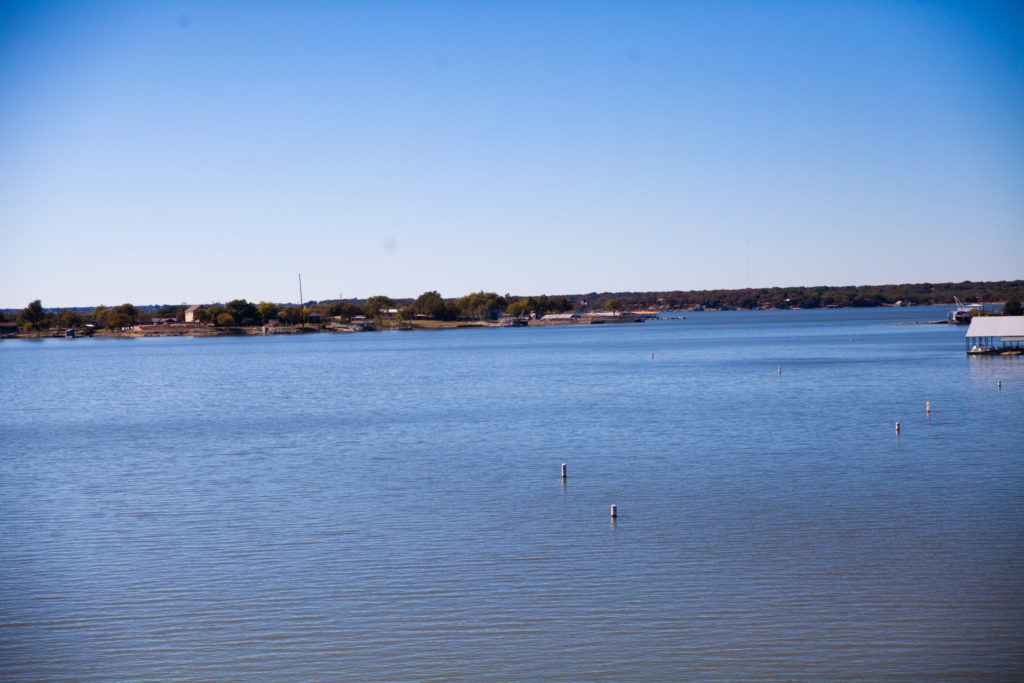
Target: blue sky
189, 152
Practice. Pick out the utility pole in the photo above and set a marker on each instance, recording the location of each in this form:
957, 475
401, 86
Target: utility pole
302, 302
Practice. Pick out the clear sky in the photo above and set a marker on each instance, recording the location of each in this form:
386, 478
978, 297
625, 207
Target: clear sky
160, 152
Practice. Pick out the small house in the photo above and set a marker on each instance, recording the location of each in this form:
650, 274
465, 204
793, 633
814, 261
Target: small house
190, 313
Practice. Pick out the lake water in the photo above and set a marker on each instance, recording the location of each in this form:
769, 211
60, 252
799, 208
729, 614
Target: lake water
387, 507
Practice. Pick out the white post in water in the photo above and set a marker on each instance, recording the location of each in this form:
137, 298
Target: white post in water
898, 427
614, 511
780, 370
928, 407
565, 471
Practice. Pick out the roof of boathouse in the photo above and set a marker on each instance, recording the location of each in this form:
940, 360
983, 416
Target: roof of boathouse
996, 326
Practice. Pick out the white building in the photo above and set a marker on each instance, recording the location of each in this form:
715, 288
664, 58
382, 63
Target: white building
190, 313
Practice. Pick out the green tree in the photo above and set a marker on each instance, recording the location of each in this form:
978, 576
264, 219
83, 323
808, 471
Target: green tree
376, 304
224, 319
345, 309
613, 305
481, 306
432, 305
124, 315
109, 318
519, 308
1012, 308
176, 312
243, 312
33, 316
68, 318
212, 312
290, 316
267, 311
128, 314
543, 304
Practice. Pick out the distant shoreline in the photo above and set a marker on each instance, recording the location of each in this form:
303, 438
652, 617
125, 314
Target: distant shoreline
804, 296
433, 311
200, 330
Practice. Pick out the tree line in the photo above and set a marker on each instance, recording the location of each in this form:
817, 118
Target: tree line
240, 312
490, 305
860, 296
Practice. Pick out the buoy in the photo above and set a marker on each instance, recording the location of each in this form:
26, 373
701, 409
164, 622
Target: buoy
928, 407
898, 427
565, 471
614, 511
999, 384
780, 369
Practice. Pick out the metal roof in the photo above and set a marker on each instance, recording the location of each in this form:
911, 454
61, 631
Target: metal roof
996, 326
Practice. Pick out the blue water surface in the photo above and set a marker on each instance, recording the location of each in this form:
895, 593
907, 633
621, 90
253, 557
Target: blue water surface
387, 506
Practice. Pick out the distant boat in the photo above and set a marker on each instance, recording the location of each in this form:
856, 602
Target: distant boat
964, 312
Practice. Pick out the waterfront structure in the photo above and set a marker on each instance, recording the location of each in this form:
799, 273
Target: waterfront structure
612, 317
603, 316
190, 313
647, 314
995, 334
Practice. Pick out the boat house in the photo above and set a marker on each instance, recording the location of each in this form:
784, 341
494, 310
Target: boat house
995, 334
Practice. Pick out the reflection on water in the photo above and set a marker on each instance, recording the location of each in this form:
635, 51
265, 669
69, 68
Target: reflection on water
994, 371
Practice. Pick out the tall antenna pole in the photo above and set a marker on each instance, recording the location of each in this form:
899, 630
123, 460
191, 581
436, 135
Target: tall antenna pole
302, 302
